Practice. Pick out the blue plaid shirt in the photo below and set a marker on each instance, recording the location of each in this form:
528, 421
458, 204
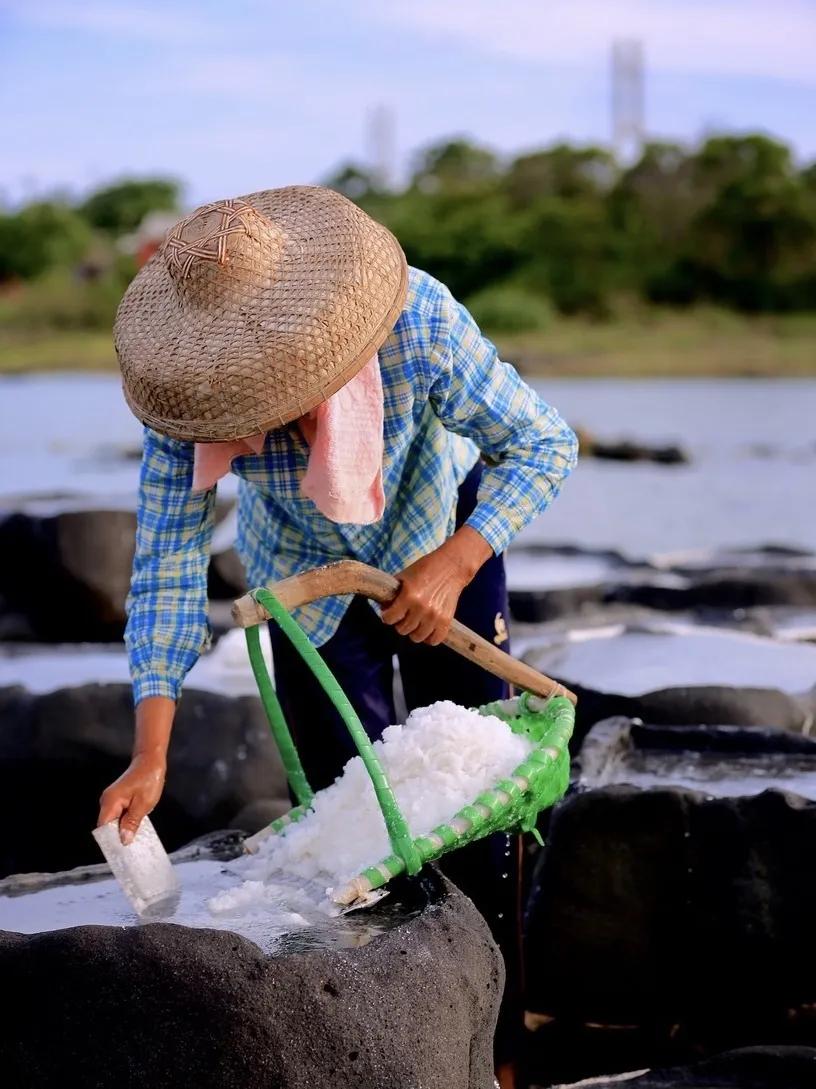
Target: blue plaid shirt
447, 396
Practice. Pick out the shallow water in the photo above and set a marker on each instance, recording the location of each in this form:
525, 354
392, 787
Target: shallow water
752, 444
634, 662
711, 774
293, 918
225, 669
536, 569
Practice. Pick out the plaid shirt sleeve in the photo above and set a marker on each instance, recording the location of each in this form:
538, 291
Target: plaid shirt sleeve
528, 447
168, 623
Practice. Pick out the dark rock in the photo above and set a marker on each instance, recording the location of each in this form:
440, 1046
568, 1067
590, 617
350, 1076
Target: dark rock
724, 590
663, 907
629, 450
539, 606
168, 1006
698, 705
709, 594
619, 746
737, 740
65, 576
635, 451
59, 750
68, 573
551, 582
684, 675
748, 1068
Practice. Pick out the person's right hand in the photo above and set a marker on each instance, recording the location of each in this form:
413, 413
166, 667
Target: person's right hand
134, 794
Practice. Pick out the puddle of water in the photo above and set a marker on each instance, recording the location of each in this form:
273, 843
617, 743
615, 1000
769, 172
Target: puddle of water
634, 661
291, 917
793, 625
528, 570
225, 669
711, 774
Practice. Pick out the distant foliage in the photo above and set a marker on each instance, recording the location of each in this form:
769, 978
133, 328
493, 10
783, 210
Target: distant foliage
120, 208
731, 222
63, 265
510, 309
41, 236
63, 301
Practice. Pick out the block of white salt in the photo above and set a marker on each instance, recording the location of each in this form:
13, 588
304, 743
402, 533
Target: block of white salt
143, 868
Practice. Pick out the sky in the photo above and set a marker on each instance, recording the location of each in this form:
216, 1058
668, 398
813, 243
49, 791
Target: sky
237, 95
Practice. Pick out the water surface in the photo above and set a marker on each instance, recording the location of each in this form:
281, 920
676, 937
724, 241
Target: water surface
752, 445
711, 773
293, 916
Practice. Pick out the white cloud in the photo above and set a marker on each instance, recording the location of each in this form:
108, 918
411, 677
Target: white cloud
723, 37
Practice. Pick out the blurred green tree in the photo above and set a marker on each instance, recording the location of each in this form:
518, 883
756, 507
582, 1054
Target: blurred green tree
455, 167
573, 173
353, 181
731, 221
748, 228
121, 207
40, 236
467, 240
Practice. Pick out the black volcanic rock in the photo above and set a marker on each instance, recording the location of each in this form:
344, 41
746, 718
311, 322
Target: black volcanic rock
168, 1006
65, 576
748, 1068
666, 905
59, 750
67, 573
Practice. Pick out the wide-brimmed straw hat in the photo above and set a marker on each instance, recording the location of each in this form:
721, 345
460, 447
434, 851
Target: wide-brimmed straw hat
255, 310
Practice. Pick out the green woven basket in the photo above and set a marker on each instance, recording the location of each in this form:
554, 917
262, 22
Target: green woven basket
514, 802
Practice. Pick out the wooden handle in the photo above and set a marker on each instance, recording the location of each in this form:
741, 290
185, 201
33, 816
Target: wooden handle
351, 577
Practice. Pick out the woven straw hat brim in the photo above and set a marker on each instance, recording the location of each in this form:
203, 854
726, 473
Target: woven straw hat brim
306, 288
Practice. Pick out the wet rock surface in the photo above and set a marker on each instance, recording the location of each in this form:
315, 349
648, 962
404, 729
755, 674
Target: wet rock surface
551, 582
748, 1068
666, 907
69, 572
66, 575
166, 1006
64, 747
668, 915
718, 760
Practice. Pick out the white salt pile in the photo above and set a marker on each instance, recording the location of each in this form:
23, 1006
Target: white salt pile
439, 761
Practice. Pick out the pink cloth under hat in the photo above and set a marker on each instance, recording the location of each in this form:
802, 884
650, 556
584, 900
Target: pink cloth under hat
345, 436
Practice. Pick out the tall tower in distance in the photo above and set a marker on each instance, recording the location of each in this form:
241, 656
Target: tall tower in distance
627, 98
381, 143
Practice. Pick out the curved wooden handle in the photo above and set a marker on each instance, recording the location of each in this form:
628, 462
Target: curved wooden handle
351, 577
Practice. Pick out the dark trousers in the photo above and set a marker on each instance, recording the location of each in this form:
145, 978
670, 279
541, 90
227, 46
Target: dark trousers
361, 655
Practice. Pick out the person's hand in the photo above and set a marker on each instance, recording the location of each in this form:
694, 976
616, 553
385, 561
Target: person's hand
430, 588
134, 794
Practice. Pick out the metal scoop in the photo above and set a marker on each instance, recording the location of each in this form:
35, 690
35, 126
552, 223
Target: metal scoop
143, 868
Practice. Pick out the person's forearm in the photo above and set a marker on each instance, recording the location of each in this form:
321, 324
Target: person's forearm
468, 551
138, 789
154, 723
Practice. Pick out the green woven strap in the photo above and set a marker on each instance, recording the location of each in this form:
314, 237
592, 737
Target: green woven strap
399, 834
